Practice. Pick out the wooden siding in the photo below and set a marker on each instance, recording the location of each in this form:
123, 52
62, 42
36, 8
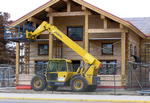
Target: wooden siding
95, 22
135, 41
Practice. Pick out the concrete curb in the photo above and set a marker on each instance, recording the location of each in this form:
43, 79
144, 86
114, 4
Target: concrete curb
77, 98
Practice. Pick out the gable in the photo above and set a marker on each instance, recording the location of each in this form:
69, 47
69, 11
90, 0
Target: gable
42, 8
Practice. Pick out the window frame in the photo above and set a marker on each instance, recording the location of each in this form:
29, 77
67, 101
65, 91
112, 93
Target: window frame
131, 50
107, 53
135, 50
75, 27
39, 50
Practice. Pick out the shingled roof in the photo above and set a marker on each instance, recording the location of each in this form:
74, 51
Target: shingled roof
142, 23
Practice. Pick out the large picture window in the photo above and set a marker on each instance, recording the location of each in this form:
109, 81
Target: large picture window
43, 49
75, 33
107, 48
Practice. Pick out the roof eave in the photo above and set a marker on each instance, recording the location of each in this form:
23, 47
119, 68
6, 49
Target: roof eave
32, 13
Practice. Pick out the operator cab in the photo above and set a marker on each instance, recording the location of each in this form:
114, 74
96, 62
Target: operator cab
59, 72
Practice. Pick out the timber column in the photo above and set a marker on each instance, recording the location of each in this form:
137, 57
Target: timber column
17, 62
50, 36
86, 38
123, 56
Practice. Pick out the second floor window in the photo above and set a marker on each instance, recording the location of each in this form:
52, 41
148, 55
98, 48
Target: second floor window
107, 49
43, 49
75, 33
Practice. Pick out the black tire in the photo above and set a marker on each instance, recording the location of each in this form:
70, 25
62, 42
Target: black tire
92, 88
52, 88
78, 84
38, 83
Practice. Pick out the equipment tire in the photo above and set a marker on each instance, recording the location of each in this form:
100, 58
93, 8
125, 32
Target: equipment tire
38, 83
78, 84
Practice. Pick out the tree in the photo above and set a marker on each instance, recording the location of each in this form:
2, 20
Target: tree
6, 54
4, 16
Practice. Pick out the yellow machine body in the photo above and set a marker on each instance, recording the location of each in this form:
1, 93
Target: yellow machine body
89, 73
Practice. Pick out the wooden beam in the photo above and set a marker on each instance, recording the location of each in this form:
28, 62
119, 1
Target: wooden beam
105, 23
123, 57
34, 20
79, 13
86, 38
65, 0
84, 8
148, 37
68, 6
49, 10
105, 30
102, 16
50, 40
121, 26
17, 62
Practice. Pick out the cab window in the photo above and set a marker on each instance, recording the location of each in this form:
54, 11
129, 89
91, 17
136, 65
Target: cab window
52, 66
70, 68
61, 66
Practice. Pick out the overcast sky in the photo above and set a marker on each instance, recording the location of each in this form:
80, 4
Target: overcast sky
120, 8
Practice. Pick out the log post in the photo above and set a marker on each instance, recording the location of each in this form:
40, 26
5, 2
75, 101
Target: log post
17, 62
86, 38
123, 56
50, 40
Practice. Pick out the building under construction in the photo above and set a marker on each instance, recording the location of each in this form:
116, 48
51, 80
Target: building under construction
112, 40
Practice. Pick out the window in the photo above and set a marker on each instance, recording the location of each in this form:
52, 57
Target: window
75, 64
43, 49
135, 50
75, 33
107, 48
109, 67
70, 67
57, 66
62, 66
131, 50
52, 66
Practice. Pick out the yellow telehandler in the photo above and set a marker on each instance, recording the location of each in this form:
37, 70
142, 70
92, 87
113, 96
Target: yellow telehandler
60, 72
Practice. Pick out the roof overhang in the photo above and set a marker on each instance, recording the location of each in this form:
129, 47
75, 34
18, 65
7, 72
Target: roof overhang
87, 5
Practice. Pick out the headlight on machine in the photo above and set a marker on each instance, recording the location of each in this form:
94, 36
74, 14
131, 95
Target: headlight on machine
61, 79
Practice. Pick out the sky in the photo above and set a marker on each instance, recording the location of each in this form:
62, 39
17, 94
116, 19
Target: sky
120, 8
